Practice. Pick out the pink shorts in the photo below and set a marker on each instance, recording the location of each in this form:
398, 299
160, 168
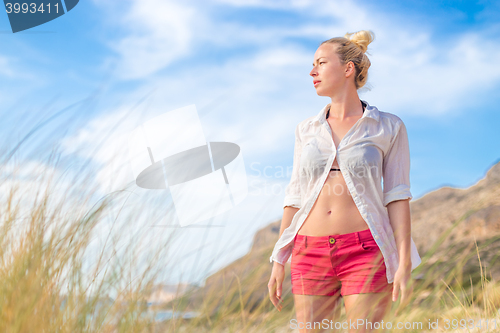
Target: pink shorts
346, 264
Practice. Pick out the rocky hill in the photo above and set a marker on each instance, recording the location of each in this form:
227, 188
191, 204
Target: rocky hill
475, 209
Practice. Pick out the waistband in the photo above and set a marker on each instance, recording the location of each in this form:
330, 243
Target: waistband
356, 237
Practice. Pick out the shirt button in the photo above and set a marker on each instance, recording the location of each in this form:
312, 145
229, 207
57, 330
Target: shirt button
332, 240
375, 237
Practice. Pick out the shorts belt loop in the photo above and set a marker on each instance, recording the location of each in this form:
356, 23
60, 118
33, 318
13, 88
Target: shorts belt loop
306, 242
357, 238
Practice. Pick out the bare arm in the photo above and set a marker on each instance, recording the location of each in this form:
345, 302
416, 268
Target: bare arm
400, 219
288, 214
291, 202
278, 272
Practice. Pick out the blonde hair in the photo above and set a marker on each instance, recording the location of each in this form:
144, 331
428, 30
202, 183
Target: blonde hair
352, 47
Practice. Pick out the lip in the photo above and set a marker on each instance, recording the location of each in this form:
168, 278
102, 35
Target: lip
316, 83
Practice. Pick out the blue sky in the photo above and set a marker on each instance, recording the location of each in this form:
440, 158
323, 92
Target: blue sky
245, 65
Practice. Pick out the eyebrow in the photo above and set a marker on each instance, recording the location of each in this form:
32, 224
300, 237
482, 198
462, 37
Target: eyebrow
318, 59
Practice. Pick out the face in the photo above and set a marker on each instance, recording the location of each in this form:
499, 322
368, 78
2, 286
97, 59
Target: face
329, 75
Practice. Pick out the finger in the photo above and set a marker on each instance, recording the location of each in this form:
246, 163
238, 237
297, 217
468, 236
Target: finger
278, 296
278, 289
277, 303
403, 297
274, 300
395, 292
272, 295
406, 296
272, 290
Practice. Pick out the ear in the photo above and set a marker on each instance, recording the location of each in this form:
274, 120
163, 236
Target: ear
350, 69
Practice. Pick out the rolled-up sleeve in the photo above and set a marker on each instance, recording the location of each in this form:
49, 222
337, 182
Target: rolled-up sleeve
396, 168
292, 191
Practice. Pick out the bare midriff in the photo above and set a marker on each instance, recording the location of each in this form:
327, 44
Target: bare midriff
334, 211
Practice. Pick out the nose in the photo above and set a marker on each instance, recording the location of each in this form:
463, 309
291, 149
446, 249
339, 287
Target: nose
313, 72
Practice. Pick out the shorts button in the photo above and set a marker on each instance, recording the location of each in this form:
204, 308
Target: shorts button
332, 240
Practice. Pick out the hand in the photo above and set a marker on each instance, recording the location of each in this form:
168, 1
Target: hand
402, 281
275, 284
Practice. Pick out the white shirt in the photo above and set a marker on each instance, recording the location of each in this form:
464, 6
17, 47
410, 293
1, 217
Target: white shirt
378, 141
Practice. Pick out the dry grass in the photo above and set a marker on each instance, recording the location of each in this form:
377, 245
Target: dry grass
457, 292
46, 289
53, 282
65, 264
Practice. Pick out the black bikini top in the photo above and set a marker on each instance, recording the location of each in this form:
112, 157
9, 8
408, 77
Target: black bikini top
328, 114
362, 103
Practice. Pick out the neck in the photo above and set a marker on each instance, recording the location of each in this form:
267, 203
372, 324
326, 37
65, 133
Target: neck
346, 106
362, 105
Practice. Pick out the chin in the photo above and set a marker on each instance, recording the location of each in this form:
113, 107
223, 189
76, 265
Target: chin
319, 92
325, 92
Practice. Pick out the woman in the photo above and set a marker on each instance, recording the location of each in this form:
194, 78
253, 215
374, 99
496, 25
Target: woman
345, 235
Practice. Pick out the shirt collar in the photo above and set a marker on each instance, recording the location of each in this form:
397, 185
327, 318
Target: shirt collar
370, 112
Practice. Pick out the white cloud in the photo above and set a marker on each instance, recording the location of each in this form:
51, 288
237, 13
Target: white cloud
411, 71
158, 32
104, 140
422, 77
263, 92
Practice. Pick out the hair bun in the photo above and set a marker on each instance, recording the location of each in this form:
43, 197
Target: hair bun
361, 38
